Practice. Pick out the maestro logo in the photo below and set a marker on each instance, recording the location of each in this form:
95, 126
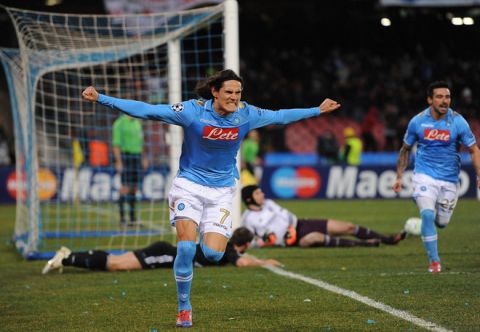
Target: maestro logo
302, 182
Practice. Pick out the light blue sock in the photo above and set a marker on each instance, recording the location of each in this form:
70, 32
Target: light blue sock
183, 271
429, 235
210, 254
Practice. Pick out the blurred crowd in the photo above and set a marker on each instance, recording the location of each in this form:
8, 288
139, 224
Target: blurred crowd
375, 89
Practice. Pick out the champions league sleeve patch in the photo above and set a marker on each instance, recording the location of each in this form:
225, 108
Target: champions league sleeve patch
260, 111
178, 107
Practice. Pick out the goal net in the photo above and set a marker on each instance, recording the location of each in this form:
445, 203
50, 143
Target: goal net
66, 184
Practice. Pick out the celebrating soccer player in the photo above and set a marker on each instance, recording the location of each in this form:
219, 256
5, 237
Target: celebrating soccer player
439, 131
202, 193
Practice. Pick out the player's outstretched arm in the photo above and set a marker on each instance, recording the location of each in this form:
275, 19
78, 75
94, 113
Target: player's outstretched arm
329, 105
246, 261
138, 109
475, 154
402, 164
264, 117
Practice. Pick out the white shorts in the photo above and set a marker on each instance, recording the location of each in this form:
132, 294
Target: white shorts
442, 193
209, 207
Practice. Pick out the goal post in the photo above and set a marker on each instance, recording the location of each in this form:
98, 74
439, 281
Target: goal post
66, 184
14, 73
232, 61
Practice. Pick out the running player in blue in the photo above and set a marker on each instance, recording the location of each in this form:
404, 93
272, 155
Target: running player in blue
439, 132
202, 192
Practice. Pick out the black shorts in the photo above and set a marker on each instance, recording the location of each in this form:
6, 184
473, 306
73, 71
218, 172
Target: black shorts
307, 226
157, 255
132, 165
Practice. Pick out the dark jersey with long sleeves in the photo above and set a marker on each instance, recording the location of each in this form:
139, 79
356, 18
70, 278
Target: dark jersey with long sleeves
162, 255
229, 257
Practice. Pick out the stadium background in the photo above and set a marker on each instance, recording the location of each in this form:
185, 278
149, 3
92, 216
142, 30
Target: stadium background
295, 54
259, 300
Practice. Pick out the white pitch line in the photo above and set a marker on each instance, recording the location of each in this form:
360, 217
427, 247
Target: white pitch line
355, 296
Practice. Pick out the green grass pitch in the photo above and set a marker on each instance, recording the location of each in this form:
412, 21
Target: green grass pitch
255, 299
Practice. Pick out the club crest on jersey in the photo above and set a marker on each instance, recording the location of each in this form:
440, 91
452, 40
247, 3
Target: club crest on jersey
181, 207
220, 134
436, 135
178, 107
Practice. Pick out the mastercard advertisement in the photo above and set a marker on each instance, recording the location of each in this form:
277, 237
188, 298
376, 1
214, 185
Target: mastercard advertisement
17, 185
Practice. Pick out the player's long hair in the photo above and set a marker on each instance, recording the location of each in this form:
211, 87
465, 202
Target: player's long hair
204, 87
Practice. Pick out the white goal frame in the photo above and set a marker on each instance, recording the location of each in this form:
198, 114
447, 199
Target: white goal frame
26, 66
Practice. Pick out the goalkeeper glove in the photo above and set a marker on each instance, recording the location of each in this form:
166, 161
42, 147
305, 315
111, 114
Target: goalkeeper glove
269, 239
290, 236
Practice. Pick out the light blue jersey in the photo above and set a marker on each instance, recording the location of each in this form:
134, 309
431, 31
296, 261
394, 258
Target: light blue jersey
211, 141
439, 143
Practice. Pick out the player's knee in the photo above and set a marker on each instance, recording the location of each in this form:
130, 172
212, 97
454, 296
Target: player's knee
445, 210
210, 254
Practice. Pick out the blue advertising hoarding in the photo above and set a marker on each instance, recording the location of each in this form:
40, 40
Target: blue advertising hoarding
347, 182
86, 184
281, 182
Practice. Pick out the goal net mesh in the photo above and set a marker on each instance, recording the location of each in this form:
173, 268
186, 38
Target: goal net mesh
66, 184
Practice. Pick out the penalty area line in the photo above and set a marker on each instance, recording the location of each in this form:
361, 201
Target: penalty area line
360, 298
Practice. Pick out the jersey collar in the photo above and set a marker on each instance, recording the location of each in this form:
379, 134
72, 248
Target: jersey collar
209, 105
428, 112
209, 108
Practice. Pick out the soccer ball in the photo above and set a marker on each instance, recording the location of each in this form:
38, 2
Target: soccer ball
413, 226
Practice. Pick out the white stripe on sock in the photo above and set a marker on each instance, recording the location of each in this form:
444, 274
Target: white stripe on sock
184, 279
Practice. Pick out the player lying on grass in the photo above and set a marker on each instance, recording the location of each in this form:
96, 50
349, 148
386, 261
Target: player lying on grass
158, 255
276, 226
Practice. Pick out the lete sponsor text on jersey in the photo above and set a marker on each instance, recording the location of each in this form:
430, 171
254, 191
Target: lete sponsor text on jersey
436, 135
220, 134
